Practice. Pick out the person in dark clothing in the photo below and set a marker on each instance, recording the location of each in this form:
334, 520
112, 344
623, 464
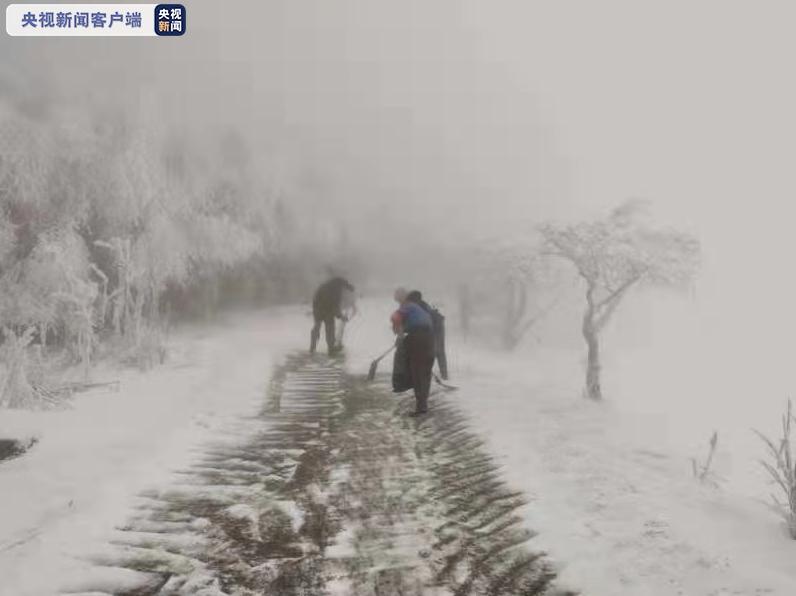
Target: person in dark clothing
401, 378
327, 305
415, 329
438, 322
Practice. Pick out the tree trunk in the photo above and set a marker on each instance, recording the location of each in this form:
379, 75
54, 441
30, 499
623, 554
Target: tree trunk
593, 390
590, 334
515, 313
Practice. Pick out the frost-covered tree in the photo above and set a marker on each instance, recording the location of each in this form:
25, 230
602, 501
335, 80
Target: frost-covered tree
109, 223
512, 280
612, 256
94, 227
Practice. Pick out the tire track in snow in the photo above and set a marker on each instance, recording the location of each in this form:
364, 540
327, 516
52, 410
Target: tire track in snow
331, 491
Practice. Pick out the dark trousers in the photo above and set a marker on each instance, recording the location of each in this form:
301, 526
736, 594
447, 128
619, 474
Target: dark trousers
419, 346
328, 321
401, 379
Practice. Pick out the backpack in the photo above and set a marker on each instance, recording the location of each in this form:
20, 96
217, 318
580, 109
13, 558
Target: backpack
438, 323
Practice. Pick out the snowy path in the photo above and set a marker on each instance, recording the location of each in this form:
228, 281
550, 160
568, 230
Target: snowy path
333, 490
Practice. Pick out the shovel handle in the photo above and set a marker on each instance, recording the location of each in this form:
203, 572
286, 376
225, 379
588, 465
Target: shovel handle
392, 347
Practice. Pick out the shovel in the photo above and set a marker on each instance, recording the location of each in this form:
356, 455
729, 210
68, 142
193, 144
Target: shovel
443, 384
375, 364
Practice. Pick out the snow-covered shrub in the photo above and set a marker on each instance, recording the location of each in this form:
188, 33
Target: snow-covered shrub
24, 383
781, 468
58, 277
17, 391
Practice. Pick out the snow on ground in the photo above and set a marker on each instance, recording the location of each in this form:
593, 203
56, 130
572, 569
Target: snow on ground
621, 513
64, 497
610, 484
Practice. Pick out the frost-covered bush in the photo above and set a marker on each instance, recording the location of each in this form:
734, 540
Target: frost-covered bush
781, 468
110, 221
24, 381
57, 279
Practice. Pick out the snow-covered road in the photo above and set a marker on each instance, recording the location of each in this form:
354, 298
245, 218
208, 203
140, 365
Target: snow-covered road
332, 490
615, 507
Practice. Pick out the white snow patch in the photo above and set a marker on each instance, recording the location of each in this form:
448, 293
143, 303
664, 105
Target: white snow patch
317, 494
294, 512
613, 502
65, 496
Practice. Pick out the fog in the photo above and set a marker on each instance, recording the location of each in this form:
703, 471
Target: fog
414, 126
170, 206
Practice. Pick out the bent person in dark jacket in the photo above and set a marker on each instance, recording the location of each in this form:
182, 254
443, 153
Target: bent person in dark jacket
438, 322
414, 327
327, 305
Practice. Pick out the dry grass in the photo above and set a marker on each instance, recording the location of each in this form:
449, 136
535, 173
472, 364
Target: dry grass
703, 471
780, 467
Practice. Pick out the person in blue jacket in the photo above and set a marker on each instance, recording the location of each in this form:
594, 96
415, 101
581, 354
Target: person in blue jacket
438, 323
415, 331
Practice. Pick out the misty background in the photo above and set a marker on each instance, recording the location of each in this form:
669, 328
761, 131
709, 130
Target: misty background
404, 134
